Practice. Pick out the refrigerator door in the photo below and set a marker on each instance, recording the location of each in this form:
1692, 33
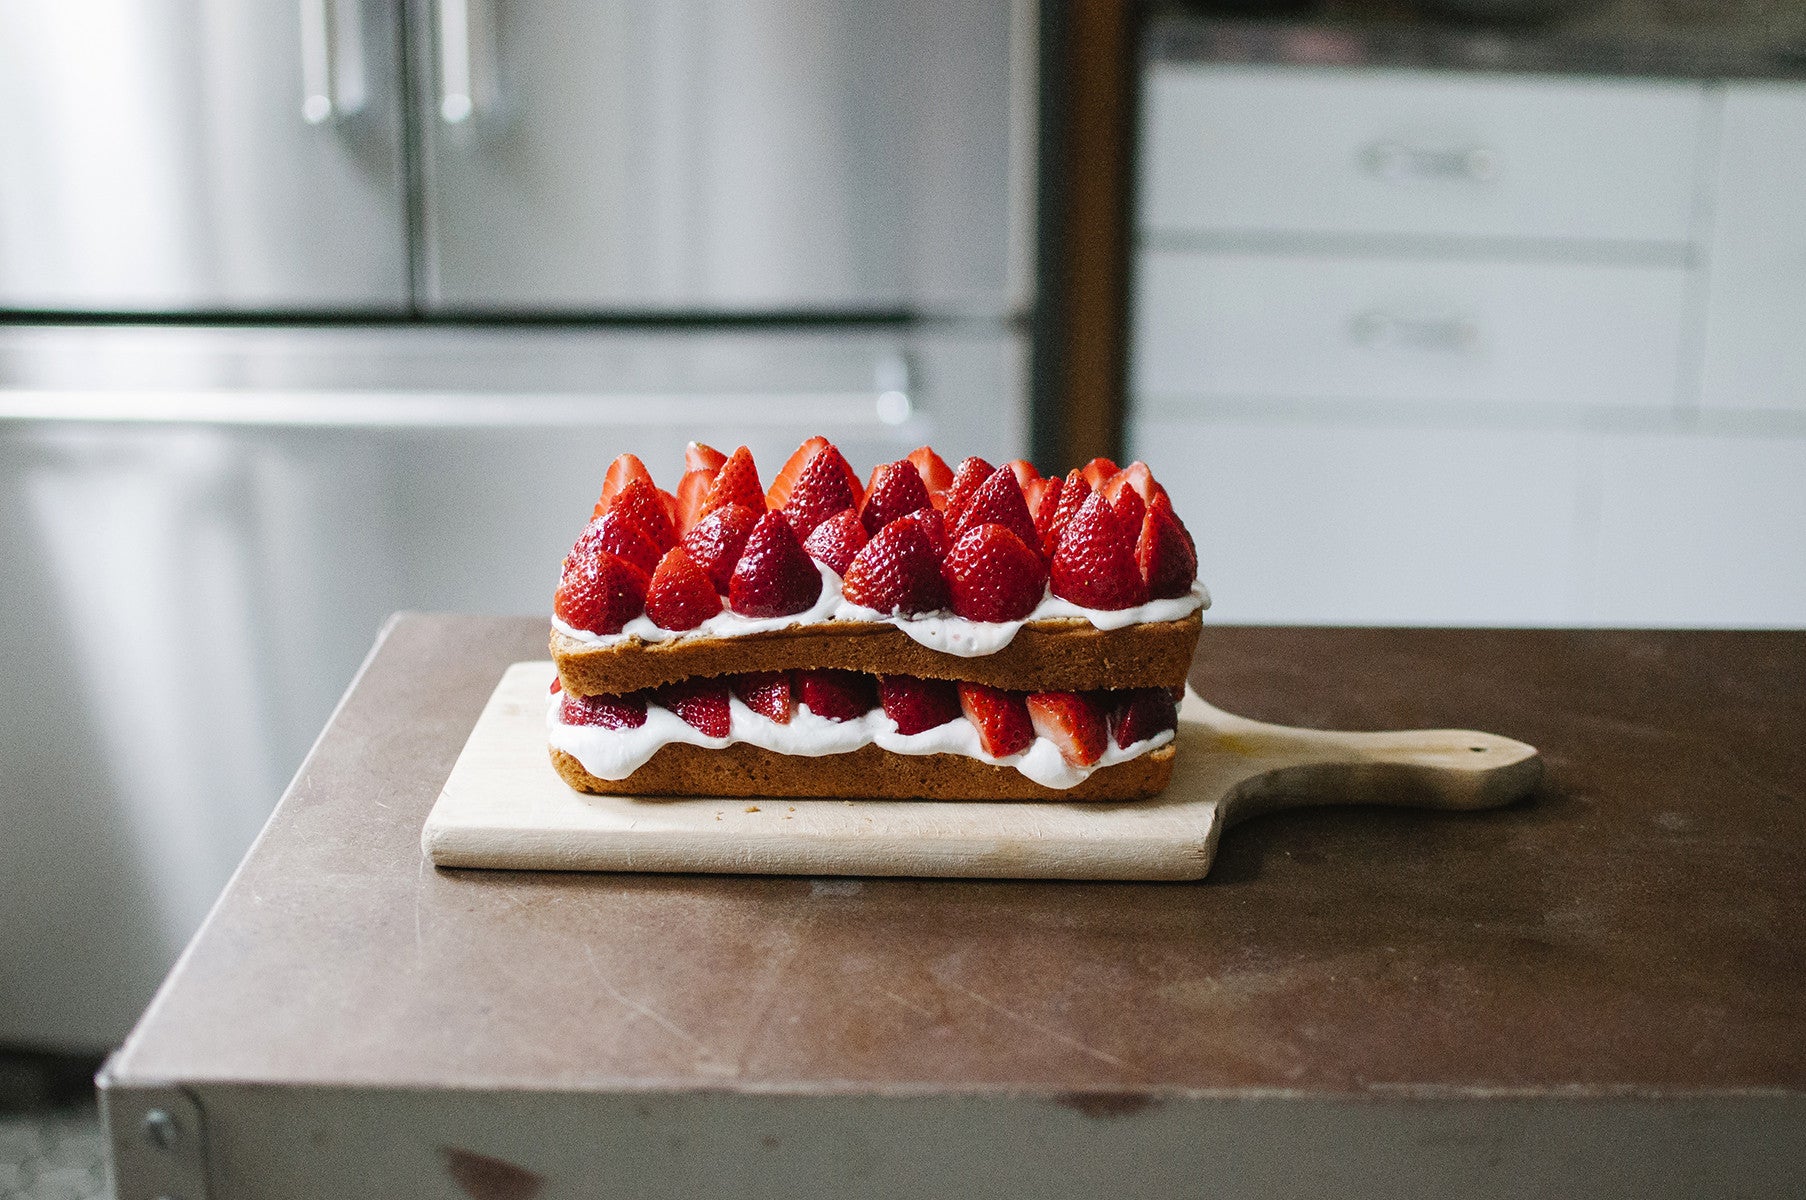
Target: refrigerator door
725, 155
181, 155
203, 529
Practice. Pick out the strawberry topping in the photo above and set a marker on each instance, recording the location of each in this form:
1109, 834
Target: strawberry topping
621, 471
792, 470
716, 541
680, 595
1163, 552
1136, 476
1128, 507
972, 472
897, 572
700, 457
692, 490
1071, 722
1094, 565
934, 525
766, 693
1072, 493
737, 482
599, 592
1000, 717
1041, 495
836, 695
639, 502
1024, 471
609, 712
897, 490
992, 575
998, 501
937, 476
822, 490
1140, 713
701, 703
836, 540
773, 578
918, 704
613, 532
1097, 472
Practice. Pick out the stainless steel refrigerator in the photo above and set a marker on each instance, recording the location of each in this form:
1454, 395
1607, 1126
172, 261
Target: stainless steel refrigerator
317, 310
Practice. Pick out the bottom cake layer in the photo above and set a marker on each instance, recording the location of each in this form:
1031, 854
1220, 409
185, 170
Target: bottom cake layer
868, 773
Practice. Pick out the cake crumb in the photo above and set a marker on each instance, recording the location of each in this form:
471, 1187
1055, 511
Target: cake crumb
752, 808
793, 808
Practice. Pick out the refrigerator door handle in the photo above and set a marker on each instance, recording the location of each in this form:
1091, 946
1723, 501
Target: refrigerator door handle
457, 102
332, 84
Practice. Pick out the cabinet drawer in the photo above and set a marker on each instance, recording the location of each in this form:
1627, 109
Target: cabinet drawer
1309, 327
1324, 151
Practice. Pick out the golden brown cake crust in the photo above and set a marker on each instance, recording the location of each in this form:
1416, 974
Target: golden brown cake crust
1067, 655
868, 773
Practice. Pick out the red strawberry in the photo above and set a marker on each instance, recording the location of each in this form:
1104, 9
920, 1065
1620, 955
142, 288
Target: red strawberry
1165, 505
621, 471
792, 470
692, 490
972, 472
773, 578
557, 685
1140, 713
998, 501
823, 489
897, 490
1128, 507
1137, 476
670, 502
1001, 719
737, 482
1071, 722
1163, 553
599, 592
639, 502
937, 476
1097, 472
992, 575
716, 541
680, 595
700, 457
613, 532
1035, 493
836, 540
836, 695
935, 526
1073, 492
917, 704
608, 712
897, 572
1095, 564
766, 693
701, 703
1024, 470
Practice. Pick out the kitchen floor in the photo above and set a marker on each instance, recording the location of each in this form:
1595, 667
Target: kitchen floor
50, 1140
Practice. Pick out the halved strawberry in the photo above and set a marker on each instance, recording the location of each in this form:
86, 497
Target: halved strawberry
1094, 565
1000, 717
692, 490
639, 502
737, 482
773, 578
1072, 494
972, 472
998, 501
1071, 722
822, 490
1139, 713
897, 572
792, 470
897, 490
992, 575
836, 540
613, 532
701, 703
670, 502
918, 704
1024, 470
1137, 476
599, 592
836, 695
1097, 472
1128, 507
1163, 554
937, 476
621, 471
716, 541
766, 693
607, 712
557, 685
1035, 493
680, 595
1165, 505
935, 526
701, 457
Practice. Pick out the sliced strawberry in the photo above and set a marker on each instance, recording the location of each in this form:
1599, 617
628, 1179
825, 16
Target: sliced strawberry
717, 541
773, 578
680, 595
836, 540
607, 712
792, 470
1128, 507
972, 472
1139, 713
1164, 504
1137, 476
992, 575
737, 482
1000, 717
1071, 722
701, 457
937, 476
1035, 493
624, 469
1097, 472
1163, 555
599, 592
1024, 470
701, 703
639, 502
766, 693
617, 535
1073, 491
998, 501
897, 572
821, 491
557, 685
918, 704
935, 526
1094, 565
836, 695
692, 490
897, 490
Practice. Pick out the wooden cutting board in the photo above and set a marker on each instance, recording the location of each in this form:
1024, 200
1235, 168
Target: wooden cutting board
504, 806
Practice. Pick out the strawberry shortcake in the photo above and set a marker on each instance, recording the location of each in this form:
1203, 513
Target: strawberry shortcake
932, 633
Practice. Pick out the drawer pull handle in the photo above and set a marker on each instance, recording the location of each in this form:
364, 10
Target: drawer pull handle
1380, 330
1397, 162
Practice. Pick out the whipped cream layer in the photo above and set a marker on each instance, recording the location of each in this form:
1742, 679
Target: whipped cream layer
937, 631
618, 753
